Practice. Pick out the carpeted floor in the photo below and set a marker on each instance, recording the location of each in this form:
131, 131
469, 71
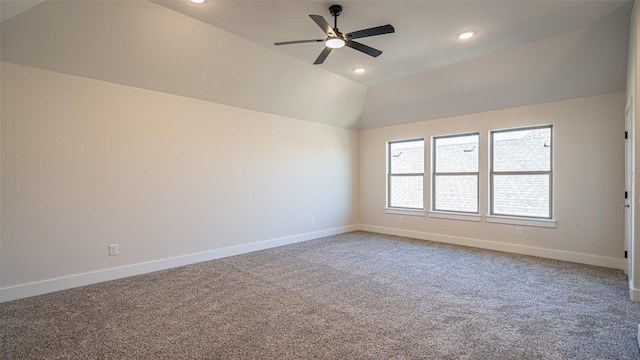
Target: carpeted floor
352, 296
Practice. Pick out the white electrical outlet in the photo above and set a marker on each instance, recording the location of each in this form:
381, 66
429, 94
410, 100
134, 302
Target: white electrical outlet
312, 221
113, 249
401, 218
519, 231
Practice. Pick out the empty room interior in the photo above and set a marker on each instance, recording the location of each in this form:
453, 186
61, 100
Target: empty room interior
298, 179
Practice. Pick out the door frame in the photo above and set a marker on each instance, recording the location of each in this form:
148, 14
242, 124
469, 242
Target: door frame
629, 203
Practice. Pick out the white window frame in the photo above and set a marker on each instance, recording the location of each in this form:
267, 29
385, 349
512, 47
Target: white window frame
549, 221
395, 209
452, 214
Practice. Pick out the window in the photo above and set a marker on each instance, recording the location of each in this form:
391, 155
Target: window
406, 174
455, 173
521, 172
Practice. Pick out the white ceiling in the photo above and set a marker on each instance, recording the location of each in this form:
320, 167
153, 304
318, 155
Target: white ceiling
11, 8
525, 52
425, 35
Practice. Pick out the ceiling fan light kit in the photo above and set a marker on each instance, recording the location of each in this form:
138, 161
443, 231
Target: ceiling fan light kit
466, 35
335, 43
336, 40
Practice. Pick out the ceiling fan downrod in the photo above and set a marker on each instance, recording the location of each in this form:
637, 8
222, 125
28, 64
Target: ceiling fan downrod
335, 11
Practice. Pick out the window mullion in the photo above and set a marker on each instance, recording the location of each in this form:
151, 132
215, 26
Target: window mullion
522, 172
455, 173
408, 174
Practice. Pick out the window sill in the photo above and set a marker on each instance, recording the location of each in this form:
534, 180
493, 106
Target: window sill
547, 223
455, 216
408, 212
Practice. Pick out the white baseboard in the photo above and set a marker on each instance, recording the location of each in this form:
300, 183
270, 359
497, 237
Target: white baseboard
634, 294
62, 283
589, 259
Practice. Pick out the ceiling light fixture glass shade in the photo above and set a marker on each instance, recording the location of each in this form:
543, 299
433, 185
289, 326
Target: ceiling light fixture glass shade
197, 1
335, 43
466, 35
358, 70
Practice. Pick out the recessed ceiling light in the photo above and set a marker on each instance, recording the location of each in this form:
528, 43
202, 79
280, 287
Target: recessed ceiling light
358, 70
466, 35
197, 1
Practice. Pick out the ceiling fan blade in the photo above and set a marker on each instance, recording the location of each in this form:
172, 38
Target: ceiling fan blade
364, 48
378, 30
298, 42
324, 25
323, 55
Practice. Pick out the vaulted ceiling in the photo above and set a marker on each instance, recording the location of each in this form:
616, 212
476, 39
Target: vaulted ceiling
525, 52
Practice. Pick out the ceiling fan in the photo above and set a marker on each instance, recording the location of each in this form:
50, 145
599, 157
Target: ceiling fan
335, 39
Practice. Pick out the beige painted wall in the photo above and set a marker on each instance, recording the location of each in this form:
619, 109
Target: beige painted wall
588, 173
87, 163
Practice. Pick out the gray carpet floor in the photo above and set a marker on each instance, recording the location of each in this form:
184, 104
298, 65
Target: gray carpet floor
352, 296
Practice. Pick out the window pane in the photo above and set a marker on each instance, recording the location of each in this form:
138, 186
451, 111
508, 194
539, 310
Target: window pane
456, 154
407, 157
456, 193
521, 195
406, 192
522, 150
